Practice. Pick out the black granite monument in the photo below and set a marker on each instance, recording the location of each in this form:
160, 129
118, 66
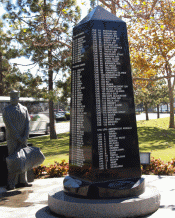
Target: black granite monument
3, 155
104, 154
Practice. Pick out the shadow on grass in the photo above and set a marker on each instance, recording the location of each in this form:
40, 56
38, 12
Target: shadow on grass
51, 147
150, 139
155, 138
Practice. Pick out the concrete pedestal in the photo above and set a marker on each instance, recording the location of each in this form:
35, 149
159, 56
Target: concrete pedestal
68, 206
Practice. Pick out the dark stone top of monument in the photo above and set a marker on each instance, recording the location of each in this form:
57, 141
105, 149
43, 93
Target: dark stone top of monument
100, 13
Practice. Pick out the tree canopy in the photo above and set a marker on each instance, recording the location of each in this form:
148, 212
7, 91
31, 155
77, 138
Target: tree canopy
151, 31
152, 95
42, 28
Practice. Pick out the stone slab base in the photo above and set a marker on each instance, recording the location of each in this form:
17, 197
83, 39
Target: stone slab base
68, 206
105, 189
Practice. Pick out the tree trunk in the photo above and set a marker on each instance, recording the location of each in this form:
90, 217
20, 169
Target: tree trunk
158, 114
1, 90
146, 111
53, 134
171, 124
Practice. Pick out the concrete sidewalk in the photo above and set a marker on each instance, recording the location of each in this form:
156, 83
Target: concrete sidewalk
151, 116
31, 202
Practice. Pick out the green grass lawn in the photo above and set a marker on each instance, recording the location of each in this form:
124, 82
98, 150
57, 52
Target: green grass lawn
55, 149
155, 137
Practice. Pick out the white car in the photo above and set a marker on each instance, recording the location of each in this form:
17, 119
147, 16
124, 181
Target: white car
39, 124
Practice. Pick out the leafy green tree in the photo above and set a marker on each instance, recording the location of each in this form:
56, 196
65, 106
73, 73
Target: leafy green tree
152, 47
7, 51
42, 27
152, 95
10, 75
65, 87
159, 94
29, 85
151, 31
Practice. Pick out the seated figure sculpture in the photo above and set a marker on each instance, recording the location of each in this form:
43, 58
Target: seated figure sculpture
16, 119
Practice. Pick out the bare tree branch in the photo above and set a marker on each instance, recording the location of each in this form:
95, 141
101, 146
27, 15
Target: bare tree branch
153, 79
25, 65
104, 2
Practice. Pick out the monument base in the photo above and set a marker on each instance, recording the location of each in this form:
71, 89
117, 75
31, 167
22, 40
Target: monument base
107, 189
62, 204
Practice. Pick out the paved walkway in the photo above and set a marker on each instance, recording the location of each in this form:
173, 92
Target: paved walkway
62, 127
151, 116
32, 202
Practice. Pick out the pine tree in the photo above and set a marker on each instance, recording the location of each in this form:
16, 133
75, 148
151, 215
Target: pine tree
42, 27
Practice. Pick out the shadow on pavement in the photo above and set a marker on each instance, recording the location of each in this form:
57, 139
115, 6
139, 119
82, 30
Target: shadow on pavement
45, 212
15, 199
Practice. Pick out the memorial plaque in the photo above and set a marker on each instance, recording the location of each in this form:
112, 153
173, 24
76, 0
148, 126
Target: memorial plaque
103, 133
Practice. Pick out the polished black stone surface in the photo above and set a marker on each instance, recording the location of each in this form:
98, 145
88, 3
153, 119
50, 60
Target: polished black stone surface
104, 189
103, 133
3, 155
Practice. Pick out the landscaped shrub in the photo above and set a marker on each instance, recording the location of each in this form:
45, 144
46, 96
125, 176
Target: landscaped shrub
158, 167
173, 162
57, 170
39, 171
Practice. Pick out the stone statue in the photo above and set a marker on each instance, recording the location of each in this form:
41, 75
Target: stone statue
16, 119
